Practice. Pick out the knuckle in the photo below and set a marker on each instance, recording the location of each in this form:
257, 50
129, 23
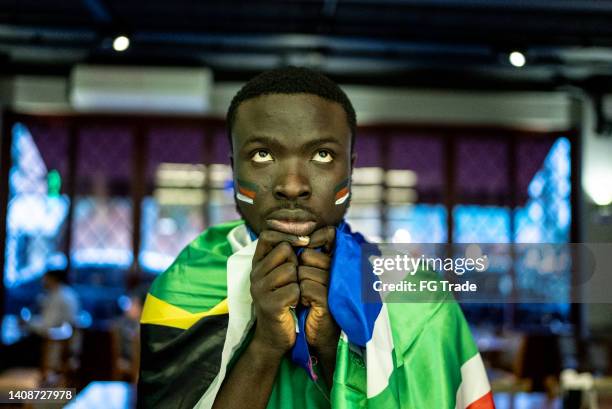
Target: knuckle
304, 286
254, 295
285, 247
326, 263
303, 272
288, 269
306, 254
295, 290
255, 269
256, 288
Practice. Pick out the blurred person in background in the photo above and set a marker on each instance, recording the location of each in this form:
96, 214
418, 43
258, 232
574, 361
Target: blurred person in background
60, 306
53, 341
126, 332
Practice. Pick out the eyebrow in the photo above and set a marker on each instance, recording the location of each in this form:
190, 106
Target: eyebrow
275, 143
263, 140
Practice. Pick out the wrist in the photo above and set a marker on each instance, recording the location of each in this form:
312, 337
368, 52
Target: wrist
329, 344
325, 353
265, 354
327, 361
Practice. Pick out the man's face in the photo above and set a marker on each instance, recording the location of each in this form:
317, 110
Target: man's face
46, 282
291, 156
49, 282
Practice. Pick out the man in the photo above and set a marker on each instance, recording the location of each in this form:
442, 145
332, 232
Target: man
59, 307
57, 322
259, 314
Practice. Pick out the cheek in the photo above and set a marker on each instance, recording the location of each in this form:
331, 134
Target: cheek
251, 195
250, 187
332, 199
333, 213
251, 213
342, 193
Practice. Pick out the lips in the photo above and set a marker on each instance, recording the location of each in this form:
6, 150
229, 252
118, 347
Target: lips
296, 222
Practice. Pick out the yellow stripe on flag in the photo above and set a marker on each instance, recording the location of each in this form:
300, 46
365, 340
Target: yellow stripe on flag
159, 312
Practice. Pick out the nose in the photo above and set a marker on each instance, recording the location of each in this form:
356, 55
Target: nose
292, 187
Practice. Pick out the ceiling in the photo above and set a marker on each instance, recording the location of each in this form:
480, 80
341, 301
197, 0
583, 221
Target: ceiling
435, 43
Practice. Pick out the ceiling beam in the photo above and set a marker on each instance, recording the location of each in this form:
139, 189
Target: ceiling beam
99, 11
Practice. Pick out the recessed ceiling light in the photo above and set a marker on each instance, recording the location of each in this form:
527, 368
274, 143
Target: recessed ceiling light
517, 58
121, 43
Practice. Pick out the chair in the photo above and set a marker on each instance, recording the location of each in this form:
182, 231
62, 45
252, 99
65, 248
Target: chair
61, 359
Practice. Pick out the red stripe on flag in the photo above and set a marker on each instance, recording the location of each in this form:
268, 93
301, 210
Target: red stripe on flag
484, 402
341, 193
247, 193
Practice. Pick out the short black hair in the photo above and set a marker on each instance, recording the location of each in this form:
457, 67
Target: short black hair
58, 274
292, 80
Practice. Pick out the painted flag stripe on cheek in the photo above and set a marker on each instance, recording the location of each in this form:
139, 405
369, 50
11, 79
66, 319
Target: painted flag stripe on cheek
246, 191
342, 192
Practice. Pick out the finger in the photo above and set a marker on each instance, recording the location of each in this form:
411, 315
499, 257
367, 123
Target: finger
324, 237
282, 253
280, 277
289, 295
268, 239
313, 293
314, 258
314, 274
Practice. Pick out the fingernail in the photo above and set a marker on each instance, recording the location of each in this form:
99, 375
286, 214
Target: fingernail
304, 239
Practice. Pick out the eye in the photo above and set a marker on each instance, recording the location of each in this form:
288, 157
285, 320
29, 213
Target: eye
262, 156
322, 156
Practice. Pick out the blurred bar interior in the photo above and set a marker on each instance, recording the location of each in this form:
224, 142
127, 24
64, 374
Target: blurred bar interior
483, 121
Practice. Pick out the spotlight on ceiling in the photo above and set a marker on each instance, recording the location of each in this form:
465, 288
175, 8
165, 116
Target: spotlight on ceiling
517, 58
121, 43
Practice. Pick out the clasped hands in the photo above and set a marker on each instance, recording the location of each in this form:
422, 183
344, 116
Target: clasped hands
281, 280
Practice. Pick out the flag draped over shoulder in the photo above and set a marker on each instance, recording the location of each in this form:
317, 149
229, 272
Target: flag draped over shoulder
198, 317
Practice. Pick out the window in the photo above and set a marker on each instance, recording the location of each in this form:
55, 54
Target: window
409, 185
37, 208
173, 207
102, 220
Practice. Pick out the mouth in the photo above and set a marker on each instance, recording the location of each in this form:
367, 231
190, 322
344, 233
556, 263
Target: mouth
296, 222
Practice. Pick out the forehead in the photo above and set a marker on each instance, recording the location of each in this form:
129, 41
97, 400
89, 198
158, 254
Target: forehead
291, 117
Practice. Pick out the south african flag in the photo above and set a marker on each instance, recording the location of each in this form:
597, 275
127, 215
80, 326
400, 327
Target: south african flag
198, 317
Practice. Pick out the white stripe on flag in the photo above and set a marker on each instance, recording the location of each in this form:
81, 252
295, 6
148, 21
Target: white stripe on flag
240, 313
342, 199
379, 354
474, 382
244, 198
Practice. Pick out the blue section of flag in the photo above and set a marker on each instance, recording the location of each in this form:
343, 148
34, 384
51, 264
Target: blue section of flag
355, 317
300, 353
